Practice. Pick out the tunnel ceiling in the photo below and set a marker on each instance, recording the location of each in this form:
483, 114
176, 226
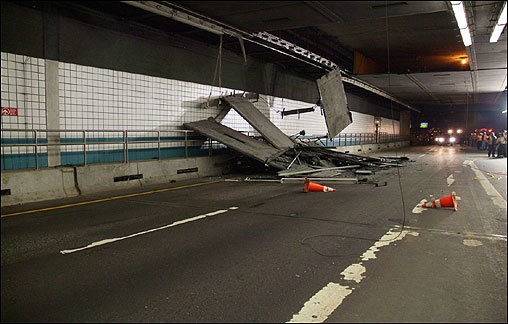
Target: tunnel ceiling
410, 49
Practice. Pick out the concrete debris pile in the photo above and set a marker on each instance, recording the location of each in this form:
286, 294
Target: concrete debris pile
291, 158
323, 164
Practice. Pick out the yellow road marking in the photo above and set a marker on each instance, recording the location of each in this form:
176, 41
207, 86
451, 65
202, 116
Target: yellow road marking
112, 198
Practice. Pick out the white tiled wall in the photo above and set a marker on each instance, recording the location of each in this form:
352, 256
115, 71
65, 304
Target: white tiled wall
100, 99
94, 98
23, 87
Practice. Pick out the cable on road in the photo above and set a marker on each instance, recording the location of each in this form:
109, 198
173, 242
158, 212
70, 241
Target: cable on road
396, 155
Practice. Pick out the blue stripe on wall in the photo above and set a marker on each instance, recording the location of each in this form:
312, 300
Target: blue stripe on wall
23, 161
99, 139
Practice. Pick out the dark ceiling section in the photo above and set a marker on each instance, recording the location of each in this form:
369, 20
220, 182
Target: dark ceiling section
413, 44
409, 49
257, 16
420, 35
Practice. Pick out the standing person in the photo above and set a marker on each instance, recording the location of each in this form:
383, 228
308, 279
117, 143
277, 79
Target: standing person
479, 141
485, 140
505, 143
501, 145
492, 144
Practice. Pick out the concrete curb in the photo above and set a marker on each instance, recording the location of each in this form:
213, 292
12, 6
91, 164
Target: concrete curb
63, 182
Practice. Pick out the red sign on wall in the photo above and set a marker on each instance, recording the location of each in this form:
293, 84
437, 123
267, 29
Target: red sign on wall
9, 111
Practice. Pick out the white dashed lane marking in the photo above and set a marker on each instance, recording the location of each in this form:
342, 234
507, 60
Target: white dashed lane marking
111, 240
319, 307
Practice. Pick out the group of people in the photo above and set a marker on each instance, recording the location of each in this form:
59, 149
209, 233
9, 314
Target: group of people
492, 142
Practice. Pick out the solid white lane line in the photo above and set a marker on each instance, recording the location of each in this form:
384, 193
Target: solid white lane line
319, 307
496, 197
106, 241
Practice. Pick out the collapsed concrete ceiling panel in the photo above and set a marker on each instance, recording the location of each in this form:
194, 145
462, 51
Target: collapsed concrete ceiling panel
260, 122
333, 100
249, 146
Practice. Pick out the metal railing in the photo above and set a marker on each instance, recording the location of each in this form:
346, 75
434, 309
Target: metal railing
153, 142
82, 147
347, 139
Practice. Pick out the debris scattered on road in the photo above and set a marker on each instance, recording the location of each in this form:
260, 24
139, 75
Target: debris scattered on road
291, 158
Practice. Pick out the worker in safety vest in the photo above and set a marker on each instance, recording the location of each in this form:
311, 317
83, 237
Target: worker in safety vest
492, 144
501, 145
479, 141
485, 141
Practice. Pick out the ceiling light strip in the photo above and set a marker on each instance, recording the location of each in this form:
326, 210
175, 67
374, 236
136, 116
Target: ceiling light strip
460, 16
498, 28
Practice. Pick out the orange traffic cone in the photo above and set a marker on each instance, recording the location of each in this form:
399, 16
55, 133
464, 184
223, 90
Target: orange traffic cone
311, 186
450, 201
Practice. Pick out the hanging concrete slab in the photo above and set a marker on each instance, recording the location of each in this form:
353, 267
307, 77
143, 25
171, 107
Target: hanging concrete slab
260, 122
333, 100
244, 144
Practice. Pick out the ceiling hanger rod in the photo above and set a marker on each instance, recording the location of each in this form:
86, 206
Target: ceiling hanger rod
176, 12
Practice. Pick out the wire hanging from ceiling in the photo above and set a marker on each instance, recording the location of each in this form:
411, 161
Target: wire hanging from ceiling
393, 123
218, 67
398, 171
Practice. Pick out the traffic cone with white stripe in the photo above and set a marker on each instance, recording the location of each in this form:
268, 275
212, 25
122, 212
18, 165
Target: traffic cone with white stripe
450, 201
311, 186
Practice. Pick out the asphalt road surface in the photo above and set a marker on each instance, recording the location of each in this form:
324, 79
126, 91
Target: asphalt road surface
219, 250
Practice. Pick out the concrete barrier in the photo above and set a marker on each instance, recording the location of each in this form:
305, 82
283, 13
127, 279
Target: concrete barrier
37, 185
369, 148
61, 182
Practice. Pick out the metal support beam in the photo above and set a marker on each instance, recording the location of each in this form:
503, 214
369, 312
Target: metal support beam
354, 81
168, 9
423, 87
177, 15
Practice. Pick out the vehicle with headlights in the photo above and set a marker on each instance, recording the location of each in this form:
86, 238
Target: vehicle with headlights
453, 136
445, 139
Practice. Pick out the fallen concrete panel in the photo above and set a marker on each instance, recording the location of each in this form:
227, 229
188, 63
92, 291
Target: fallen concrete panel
260, 122
239, 142
333, 100
286, 173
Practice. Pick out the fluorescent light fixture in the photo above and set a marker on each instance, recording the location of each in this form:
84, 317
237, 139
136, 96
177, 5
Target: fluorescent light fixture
460, 16
466, 36
504, 111
502, 16
498, 28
